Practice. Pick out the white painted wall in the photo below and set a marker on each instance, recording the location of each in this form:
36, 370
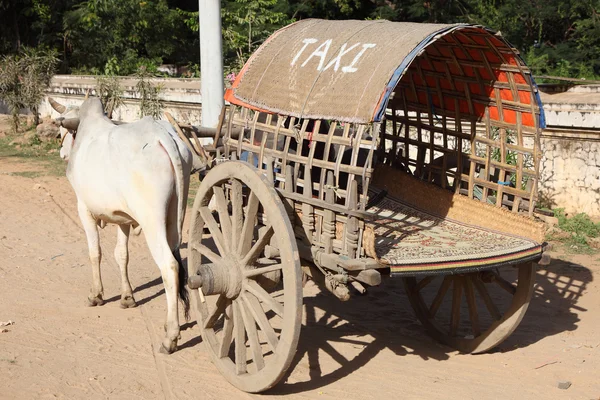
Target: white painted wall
181, 97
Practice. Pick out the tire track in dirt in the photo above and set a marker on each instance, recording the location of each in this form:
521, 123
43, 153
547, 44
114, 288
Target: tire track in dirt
158, 363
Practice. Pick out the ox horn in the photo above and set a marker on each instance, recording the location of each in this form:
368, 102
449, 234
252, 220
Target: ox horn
56, 105
70, 124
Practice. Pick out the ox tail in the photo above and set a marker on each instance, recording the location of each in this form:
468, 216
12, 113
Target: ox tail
183, 293
168, 143
171, 149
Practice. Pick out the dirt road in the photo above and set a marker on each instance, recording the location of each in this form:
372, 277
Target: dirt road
368, 348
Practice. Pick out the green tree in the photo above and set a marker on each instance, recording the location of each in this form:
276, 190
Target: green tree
33, 23
24, 79
117, 36
245, 25
558, 37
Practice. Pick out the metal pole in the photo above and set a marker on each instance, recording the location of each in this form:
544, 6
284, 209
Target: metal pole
211, 61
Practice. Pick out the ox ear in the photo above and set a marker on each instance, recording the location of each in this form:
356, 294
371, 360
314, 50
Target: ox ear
56, 105
70, 124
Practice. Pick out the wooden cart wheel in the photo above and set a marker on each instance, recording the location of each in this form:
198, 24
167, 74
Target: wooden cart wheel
494, 304
245, 277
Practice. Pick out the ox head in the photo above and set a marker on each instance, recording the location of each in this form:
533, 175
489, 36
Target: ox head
68, 122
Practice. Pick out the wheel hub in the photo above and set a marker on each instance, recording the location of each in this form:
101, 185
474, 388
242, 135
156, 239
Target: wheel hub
217, 279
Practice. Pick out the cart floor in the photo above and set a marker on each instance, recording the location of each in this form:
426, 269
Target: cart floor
415, 242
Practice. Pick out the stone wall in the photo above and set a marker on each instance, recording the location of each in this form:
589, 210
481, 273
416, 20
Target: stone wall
570, 172
570, 168
181, 97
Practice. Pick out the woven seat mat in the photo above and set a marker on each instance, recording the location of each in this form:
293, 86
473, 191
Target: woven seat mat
412, 241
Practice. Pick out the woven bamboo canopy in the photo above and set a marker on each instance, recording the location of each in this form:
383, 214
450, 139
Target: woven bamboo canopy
348, 71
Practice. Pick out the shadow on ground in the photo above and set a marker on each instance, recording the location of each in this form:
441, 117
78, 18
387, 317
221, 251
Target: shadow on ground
383, 319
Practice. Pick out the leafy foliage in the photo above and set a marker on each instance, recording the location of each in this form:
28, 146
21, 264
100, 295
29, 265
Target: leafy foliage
246, 24
580, 224
110, 92
579, 230
116, 37
556, 37
24, 78
150, 102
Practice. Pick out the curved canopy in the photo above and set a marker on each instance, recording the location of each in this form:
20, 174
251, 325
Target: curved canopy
348, 70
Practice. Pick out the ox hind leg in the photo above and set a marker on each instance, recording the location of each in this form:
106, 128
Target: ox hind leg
174, 243
122, 257
169, 268
96, 296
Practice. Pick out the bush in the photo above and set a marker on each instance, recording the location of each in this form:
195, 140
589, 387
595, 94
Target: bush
580, 227
150, 102
110, 92
579, 224
24, 79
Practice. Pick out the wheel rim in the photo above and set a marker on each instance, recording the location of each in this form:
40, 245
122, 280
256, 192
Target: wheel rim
472, 312
251, 315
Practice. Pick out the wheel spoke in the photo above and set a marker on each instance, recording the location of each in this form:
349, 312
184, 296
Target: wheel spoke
250, 325
206, 252
240, 340
489, 303
424, 282
504, 284
456, 298
470, 295
439, 297
215, 232
263, 270
227, 332
224, 218
257, 312
222, 303
248, 229
265, 297
237, 211
258, 247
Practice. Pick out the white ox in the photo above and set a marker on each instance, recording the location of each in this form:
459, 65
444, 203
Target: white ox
133, 174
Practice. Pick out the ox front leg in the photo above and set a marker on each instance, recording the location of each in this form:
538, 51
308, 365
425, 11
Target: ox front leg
96, 296
122, 257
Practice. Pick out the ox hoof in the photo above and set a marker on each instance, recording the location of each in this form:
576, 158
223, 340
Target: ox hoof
165, 328
95, 301
170, 348
128, 302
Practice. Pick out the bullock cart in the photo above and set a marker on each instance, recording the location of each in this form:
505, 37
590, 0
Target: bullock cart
356, 150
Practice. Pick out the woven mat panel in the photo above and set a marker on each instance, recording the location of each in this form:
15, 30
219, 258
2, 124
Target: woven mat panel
447, 205
328, 69
407, 239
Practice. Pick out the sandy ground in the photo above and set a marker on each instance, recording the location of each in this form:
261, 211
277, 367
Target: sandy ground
368, 348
